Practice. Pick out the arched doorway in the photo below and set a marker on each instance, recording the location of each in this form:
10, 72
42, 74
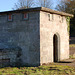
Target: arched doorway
56, 48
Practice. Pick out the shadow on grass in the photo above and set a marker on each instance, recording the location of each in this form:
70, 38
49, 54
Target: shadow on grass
64, 62
19, 66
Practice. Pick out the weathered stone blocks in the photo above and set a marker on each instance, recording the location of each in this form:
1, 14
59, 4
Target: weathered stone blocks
34, 36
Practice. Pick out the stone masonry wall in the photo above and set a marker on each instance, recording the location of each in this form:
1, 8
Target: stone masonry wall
51, 24
35, 36
10, 57
23, 33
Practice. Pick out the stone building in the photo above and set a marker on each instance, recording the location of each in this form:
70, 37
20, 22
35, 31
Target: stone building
33, 36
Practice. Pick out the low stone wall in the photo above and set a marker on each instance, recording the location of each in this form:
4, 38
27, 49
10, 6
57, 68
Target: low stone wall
10, 57
72, 49
72, 52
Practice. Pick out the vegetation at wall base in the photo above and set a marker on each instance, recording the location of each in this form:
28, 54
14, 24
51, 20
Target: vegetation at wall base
41, 70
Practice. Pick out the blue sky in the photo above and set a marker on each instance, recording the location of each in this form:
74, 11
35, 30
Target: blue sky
6, 5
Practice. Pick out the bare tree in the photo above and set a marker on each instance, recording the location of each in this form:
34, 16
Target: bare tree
22, 4
45, 3
66, 6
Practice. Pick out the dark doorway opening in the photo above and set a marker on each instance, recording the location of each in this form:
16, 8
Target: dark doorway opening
55, 48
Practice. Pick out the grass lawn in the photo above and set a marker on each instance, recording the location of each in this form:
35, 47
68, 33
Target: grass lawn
41, 70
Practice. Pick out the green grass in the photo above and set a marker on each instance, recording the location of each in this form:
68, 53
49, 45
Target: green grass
72, 45
41, 70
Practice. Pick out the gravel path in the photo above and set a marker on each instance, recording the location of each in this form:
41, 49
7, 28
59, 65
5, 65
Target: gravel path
69, 62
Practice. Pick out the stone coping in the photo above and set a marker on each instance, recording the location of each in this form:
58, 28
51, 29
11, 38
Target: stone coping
37, 9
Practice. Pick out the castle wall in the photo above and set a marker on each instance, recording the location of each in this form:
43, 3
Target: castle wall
34, 36
51, 24
22, 33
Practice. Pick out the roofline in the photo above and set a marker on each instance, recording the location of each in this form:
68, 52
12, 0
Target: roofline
56, 12
38, 9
